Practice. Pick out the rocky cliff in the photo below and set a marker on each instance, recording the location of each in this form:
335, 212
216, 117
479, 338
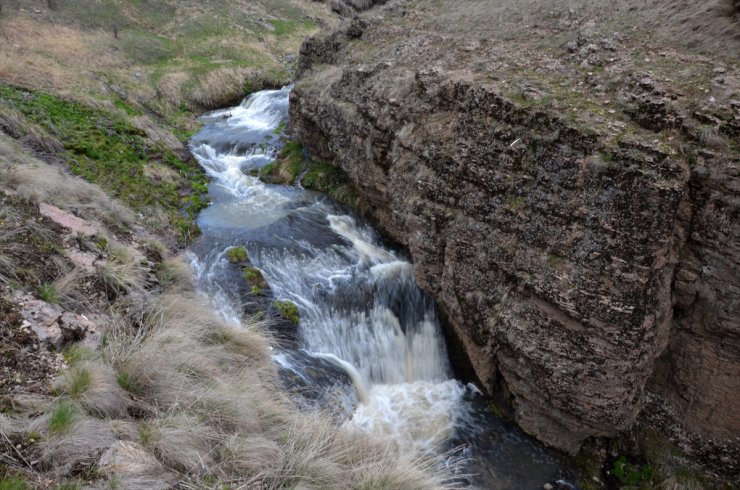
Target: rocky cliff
569, 197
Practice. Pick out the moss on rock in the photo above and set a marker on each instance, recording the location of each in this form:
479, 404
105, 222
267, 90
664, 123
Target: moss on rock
237, 255
288, 310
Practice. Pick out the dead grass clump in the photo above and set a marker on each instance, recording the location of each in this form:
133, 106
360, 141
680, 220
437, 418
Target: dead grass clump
31, 135
170, 87
210, 413
69, 290
249, 455
41, 182
133, 468
122, 273
160, 174
225, 87
95, 386
246, 345
78, 448
184, 443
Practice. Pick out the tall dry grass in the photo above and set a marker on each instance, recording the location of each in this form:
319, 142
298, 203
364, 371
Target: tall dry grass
42, 182
207, 409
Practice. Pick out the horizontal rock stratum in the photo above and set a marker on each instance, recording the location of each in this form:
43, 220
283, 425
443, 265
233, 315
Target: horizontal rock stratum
569, 199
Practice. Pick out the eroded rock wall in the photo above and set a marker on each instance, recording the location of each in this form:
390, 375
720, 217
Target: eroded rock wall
556, 257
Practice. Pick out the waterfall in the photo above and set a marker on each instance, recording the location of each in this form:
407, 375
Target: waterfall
361, 310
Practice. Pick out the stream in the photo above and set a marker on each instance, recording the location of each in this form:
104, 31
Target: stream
369, 347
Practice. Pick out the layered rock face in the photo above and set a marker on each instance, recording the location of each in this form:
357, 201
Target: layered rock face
573, 266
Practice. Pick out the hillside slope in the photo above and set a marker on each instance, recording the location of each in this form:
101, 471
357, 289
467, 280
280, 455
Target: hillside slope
114, 372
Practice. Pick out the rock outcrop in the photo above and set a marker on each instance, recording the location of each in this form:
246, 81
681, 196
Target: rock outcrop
580, 254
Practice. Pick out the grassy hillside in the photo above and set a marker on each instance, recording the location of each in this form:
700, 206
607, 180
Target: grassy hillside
163, 55
111, 88
113, 373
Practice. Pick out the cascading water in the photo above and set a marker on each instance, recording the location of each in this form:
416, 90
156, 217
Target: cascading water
360, 308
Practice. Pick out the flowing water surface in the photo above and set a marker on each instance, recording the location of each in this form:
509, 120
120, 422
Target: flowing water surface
369, 342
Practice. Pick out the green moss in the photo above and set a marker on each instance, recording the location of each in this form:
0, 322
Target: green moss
126, 107
12, 483
288, 310
280, 128
254, 277
317, 176
631, 474
256, 290
62, 417
588, 466
237, 255
105, 149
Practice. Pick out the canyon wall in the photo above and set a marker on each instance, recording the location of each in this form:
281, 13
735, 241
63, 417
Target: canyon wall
579, 265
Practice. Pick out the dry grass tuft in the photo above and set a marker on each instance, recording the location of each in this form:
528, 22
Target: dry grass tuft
42, 182
133, 468
78, 448
69, 292
31, 135
224, 87
184, 443
122, 274
210, 390
95, 386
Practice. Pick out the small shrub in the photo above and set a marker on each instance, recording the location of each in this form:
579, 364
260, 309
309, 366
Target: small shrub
62, 418
48, 293
237, 255
288, 310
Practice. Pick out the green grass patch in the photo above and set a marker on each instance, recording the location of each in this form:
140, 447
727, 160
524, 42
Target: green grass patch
77, 381
63, 417
284, 27
146, 434
13, 483
77, 353
288, 310
129, 383
237, 255
105, 149
48, 292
